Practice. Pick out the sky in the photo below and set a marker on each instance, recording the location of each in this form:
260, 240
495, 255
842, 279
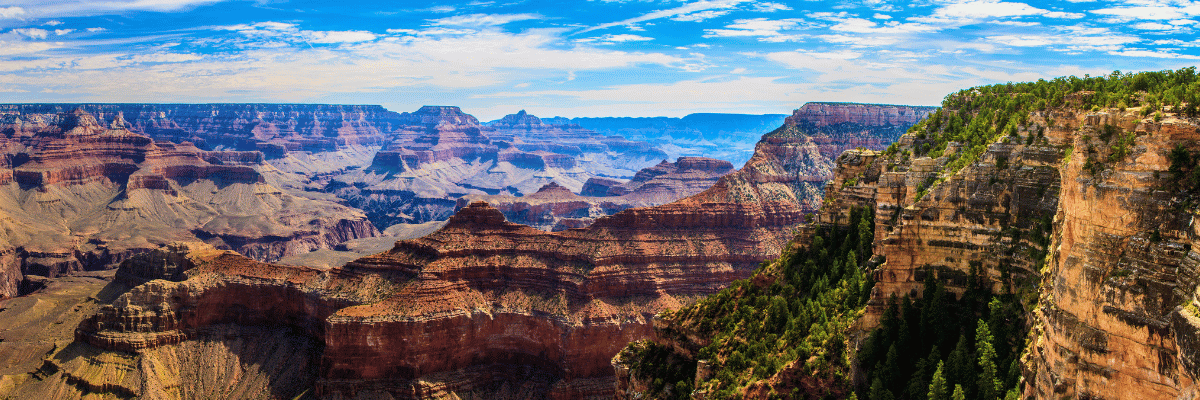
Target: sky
572, 58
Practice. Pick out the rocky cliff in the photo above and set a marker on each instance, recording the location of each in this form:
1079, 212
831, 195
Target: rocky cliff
555, 208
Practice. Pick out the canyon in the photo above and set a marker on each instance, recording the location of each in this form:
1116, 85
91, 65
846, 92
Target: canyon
276, 181
481, 307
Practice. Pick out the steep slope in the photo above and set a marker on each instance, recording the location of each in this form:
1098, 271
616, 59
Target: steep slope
482, 306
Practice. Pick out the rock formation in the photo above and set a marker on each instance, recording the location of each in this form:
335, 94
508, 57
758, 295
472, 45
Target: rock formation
83, 196
555, 208
480, 306
440, 154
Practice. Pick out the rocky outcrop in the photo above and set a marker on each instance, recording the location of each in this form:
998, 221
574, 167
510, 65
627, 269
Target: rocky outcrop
555, 208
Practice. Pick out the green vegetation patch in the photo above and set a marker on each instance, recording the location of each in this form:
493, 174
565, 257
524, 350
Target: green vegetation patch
784, 329
980, 116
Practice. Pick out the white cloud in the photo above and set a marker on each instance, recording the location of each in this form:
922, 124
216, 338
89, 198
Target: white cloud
768, 30
1018, 23
165, 58
67, 8
738, 71
860, 41
12, 48
689, 8
11, 12
53, 23
482, 20
769, 7
60, 32
1153, 26
621, 38
340, 36
1151, 12
881, 16
95, 30
1153, 54
975, 10
700, 16
281, 68
1070, 38
32, 33
859, 25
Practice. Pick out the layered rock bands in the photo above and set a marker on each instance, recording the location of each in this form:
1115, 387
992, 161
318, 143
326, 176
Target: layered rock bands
484, 304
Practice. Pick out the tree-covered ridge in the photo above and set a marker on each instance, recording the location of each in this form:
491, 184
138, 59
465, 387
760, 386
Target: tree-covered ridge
979, 116
783, 331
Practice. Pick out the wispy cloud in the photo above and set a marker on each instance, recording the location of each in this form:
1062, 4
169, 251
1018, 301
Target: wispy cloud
621, 38
481, 20
69, 8
685, 9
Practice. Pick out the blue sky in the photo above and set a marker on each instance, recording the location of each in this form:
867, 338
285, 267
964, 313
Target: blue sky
572, 58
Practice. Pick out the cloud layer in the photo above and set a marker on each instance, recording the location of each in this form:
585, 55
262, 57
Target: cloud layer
637, 58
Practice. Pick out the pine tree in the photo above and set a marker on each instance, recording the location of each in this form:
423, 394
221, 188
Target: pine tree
960, 367
989, 386
878, 391
937, 385
891, 368
958, 393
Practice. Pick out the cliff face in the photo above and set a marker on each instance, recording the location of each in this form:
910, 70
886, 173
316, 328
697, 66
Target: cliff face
827, 114
81, 195
1086, 202
555, 208
1117, 315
